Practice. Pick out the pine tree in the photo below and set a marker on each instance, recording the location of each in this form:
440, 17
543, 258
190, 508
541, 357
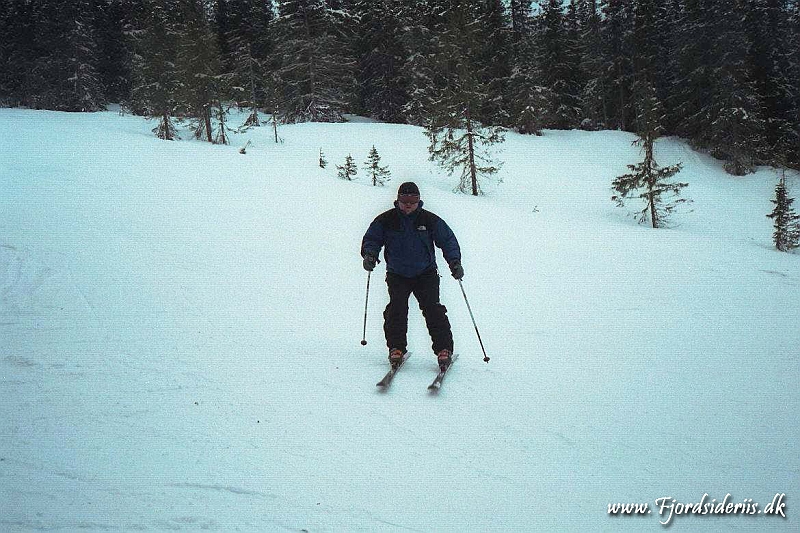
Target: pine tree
667, 19
322, 161
792, 136
650, 42
17, 50
425, 68
64, 76
202, 87
316, 78
378, 174
246, 41
114, 67
737, 127
528, 100
590, 48
156, 78
693, 65
458, 141
382, 55
493, 54
222, 136
558, 61
647, 180
618, 78
771, 46
786, 222
348, 170
252, 66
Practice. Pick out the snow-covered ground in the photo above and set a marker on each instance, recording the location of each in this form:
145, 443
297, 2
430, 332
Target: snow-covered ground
180, 327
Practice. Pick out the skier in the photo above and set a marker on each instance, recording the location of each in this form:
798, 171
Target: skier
408, 232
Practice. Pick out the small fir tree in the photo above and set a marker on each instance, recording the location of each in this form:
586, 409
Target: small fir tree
222, 127
651, 182
348, 170
647, 178
166, 129
786, 221
379, 175
274, 120
466, 151
322, 161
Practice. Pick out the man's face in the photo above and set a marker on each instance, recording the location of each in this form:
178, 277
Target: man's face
408, 204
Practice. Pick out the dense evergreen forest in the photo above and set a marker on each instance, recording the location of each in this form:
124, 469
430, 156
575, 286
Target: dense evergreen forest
724, 74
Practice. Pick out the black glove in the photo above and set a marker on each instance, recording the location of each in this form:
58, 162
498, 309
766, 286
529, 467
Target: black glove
456, 269
369, 262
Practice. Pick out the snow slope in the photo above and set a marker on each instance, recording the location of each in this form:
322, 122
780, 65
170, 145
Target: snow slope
180, 326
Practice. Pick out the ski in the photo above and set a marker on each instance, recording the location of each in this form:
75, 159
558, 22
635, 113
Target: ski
387, 379
437, 383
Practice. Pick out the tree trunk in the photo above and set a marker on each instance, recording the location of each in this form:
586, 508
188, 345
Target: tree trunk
653, 215
651, 180
165, 127
223, 138
471, 147
207, 119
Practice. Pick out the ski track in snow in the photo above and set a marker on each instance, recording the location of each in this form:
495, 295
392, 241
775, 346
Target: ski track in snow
180, 328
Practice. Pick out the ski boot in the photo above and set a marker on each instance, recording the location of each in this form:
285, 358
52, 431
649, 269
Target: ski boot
445, 358
396, 357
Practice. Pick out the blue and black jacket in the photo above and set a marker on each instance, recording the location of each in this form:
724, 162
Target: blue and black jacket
409, 241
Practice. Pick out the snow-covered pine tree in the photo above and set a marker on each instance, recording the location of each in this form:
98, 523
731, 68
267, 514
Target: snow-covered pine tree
785, 221
793, 59
198, 64
15, 23
653, 29
772, 44
528, 99
348, 170
737, 127
378, 174
693, 64
458, 141
111, 19
249, 42
618, 67
221, 25
494, 56
426, 76
316, 78
274, 119
253, 66
221, 112
647, 180
558, 62
590, 48
156, 78
64, 74
322, 161
381, 59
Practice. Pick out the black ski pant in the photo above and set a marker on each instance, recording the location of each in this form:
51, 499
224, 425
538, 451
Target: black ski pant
395, 317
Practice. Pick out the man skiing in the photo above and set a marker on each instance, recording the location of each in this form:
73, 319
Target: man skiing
408, 234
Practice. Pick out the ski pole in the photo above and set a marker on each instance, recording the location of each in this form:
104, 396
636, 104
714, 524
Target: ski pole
485, 357
366, 301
